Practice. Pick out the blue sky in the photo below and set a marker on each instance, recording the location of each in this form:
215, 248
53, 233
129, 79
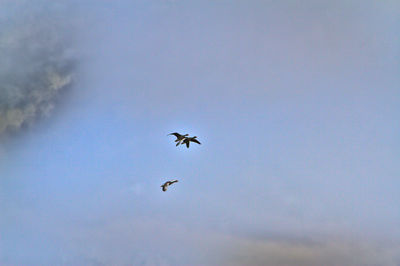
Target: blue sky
296, 104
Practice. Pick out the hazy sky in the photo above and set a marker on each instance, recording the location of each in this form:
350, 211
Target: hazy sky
296, 104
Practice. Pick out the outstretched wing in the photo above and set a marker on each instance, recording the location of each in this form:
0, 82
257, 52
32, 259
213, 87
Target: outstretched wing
195, 140
173, 181
177, 135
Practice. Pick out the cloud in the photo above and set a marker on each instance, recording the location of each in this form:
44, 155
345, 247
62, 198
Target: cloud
37, 64
122, 240
284, 252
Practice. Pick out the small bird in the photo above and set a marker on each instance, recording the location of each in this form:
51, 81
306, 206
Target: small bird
188, 140
168, 183
179, 137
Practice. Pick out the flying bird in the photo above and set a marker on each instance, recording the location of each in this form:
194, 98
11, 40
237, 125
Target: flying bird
168, 183
191, 139
179, 137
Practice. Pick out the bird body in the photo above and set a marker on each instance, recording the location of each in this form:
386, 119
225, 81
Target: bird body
168, 183
187, 141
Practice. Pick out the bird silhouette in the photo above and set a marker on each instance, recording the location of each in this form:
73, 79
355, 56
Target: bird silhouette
168, 183
188, 140
179, 137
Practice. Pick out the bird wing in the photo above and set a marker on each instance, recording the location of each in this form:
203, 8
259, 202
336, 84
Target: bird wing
174, 181
164, 188
177, 135
195, 140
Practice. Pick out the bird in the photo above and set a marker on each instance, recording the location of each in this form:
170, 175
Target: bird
187, 141
179, 137
168, 183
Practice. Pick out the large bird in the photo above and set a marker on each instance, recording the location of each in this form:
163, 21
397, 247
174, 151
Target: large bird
191, 139
168, 183
179, 137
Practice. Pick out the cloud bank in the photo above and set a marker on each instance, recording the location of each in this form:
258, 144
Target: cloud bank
332, 252
145, 241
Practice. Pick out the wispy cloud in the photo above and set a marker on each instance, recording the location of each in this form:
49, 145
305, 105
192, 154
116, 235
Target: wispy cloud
280, 252
123, 240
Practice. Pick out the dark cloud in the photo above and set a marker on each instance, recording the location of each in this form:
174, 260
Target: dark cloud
37, 63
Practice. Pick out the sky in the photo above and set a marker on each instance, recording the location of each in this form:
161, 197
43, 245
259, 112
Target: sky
296, 104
